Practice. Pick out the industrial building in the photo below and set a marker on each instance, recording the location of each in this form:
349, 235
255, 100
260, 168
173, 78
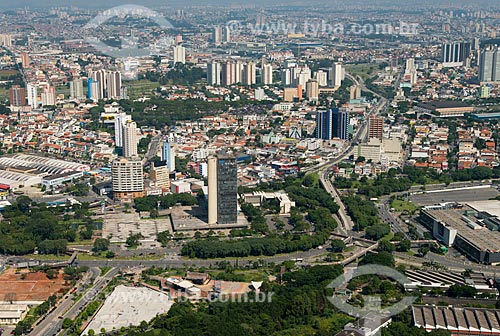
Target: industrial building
458, 321
445, 109
472, 228
21, 170
11, 314
429, 279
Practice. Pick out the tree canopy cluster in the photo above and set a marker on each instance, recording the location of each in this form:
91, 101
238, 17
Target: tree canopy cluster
27, 226
250, 246
299, 307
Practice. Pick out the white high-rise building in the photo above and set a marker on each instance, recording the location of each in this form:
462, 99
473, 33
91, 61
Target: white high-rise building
48, 95
337, 74
286, 77
32, 93
322, 78
410, 65
213, 73
130, 139
76, 88
217, 35
120, 120
179, 54
267, 74
227, 34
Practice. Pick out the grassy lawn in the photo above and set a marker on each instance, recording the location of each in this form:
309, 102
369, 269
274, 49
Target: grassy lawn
388, 237
140, 88
364, 71
4, 74
400, 206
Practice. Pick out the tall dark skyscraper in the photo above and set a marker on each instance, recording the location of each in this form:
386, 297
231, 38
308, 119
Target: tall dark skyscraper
340, 124
222, 190
333, 123
455, 54
324, 125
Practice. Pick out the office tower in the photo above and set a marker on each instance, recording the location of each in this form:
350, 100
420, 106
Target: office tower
375, 127
455, 54
222, 190
312, 90
354, 92
130, 139
267, 74
48, 95
17, 96
213, 73
179, 54
249, 74
337, 74
340, 124
114, 84
120, 120
127, 179
324, 125
178, 39
32, 92
168, 154
321, 77
160, 175
76, 88
489, 65
25, 60
217, 35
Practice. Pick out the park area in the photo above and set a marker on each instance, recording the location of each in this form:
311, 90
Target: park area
400, 206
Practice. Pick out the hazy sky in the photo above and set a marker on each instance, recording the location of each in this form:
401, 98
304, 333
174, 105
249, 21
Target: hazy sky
7, 4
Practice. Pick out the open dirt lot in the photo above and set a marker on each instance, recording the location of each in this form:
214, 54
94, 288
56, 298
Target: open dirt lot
34, 286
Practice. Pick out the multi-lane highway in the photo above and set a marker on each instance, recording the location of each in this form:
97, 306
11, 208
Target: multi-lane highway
52, 322
67, 308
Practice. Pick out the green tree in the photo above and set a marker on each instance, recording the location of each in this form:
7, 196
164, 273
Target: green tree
101, 244
338, 245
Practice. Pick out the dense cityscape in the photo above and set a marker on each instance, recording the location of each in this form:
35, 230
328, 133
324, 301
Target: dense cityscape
229, 168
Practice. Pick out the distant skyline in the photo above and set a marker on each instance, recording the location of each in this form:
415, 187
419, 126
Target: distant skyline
13, 4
